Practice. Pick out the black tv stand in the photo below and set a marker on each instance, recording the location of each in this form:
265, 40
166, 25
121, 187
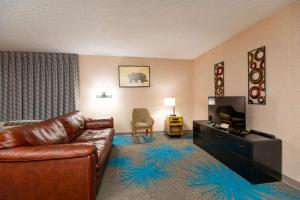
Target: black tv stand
263, 134
255, 156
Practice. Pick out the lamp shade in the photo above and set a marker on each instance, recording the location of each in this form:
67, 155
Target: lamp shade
170, 101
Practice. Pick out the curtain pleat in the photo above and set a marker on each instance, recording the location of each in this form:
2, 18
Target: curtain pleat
38, 85
18, 88
43, 85
54, 95
37, 82
61, 75
75, 89
25, 86
49, 77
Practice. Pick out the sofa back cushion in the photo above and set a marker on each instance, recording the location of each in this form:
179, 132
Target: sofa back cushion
73, 123
41, 133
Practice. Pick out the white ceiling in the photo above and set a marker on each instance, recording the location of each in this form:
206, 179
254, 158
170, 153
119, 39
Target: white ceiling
142, 28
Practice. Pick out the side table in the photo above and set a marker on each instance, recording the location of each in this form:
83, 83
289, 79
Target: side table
174, 125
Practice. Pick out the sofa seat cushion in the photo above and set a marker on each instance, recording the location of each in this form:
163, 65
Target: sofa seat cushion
95, 135
103, 149
102, 139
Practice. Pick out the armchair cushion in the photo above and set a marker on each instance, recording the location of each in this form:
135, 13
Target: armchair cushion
149, 120
141, 115
141, 119
142, 125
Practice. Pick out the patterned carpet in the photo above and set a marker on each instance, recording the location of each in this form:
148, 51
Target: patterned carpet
161, 168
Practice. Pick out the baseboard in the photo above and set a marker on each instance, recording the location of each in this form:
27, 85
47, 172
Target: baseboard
291, 182
155, 132
129, 133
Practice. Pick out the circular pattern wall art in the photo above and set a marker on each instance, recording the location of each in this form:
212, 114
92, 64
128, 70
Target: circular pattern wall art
256, 76
219, 79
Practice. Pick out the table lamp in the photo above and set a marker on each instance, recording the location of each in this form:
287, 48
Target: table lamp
170, 102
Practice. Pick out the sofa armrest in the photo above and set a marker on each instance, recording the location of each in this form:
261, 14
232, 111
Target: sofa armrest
99, 123
49, 152
71, 178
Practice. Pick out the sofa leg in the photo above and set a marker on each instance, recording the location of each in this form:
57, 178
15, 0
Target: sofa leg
151, 131
133, 131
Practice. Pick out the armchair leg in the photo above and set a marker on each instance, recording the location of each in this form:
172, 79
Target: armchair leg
151, 131
133, 131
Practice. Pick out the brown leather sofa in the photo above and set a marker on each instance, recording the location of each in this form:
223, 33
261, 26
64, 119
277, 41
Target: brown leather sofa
58, 159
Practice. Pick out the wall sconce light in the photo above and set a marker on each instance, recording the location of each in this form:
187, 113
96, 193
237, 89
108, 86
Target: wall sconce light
170, 102
104, 95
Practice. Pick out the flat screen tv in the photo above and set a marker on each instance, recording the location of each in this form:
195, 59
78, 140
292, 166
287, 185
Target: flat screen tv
229, 109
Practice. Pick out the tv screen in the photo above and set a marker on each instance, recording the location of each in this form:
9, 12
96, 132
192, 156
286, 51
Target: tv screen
230, 110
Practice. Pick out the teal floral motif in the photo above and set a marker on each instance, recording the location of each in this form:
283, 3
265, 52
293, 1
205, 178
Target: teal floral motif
219, 183
148, 139
142, 175
122, 140
190, 149
163, 155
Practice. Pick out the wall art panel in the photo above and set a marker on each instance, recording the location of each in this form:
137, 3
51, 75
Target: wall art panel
219, 79
257, 76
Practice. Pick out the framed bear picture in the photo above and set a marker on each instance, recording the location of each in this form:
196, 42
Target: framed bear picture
134, 76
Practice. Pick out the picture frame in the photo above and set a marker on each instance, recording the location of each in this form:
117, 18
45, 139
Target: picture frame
133, 76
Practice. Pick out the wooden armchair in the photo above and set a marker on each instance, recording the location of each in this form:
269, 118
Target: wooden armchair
141, 120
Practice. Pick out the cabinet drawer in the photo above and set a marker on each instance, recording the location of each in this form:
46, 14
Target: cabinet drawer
241, 166
239, 147
175, 120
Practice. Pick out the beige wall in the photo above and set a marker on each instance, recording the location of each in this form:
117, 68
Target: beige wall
280, 33
191, 82
168, 78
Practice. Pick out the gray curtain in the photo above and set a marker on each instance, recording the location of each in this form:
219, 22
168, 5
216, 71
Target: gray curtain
38, 85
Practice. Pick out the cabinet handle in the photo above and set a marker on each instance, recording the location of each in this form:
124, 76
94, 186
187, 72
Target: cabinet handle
219, 135
241, 145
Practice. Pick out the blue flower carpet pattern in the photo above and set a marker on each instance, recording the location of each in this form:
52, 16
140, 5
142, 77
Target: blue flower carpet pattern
162, 168
222, 183
122, 140
142, 175
162, 155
